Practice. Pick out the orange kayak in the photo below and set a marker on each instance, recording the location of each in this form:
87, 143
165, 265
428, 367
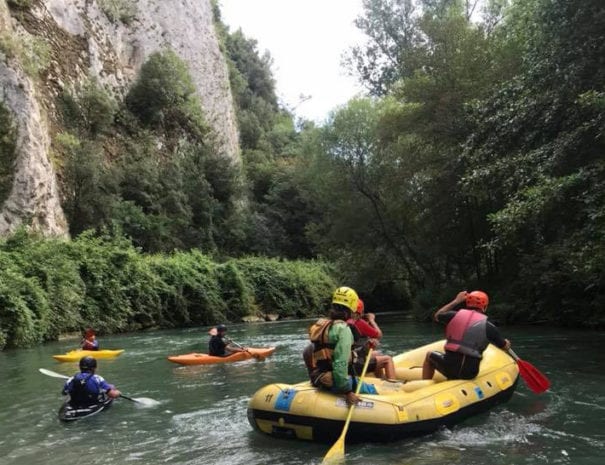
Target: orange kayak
205, 359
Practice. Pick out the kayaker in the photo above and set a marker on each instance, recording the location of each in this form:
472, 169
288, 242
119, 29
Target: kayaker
468, 334
219, 345
331, 351
86, 388
89, 341
366, 332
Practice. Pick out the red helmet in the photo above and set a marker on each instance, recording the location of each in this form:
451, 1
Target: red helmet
89, 332
360, 307
478, 300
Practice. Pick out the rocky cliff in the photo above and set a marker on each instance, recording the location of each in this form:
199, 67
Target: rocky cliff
106, 39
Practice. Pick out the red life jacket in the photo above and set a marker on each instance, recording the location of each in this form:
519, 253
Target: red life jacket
466, 333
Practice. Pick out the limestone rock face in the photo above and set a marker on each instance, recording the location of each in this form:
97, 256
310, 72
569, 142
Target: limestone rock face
84, 41
34, 197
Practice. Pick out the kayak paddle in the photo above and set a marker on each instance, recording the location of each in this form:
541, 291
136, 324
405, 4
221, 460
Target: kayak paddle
52, 374
534, 379
336, 454
145, 401
231, 341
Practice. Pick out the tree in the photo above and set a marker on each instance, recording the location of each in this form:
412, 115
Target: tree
164, 97
537, 146
90, 111
89, 187
391, 29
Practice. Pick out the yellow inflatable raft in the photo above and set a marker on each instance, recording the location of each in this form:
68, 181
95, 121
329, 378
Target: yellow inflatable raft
411, 406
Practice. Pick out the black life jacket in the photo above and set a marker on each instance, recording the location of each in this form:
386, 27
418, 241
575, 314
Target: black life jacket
80, 395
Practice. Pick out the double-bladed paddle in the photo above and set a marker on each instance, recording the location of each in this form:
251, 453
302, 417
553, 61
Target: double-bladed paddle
534, 379
231, 341
336, 454
145, 401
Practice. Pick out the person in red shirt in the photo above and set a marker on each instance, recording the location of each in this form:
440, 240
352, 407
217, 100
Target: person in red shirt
366, 332
89, 341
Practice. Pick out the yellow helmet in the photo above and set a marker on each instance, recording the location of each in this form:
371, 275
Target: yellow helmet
347, 297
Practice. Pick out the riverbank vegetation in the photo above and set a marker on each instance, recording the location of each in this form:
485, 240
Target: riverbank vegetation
475, 161
49, 287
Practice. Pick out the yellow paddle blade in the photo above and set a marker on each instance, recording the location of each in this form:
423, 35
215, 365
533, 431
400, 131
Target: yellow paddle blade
336, 454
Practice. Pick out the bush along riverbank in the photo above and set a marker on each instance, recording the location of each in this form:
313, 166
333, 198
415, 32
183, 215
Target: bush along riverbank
53, 286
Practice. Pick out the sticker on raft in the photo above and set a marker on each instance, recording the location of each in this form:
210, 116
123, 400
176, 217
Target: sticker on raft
479, 392
284, 399
340, 402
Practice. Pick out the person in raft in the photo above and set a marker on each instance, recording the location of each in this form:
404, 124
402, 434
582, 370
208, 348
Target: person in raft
89, 341
219, 345
328, 359
366, 332
468, 333
86, 388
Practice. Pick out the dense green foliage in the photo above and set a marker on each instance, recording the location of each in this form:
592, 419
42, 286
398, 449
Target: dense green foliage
274, 154
481, 162
540, 151
477, 161
147, 169
147, 165
48, 287
164, 97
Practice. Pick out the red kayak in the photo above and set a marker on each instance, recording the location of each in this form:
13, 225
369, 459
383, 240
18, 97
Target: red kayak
205, 359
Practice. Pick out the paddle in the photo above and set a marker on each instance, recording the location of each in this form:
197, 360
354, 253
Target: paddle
336, 454
231, 341
146, 401
534, 379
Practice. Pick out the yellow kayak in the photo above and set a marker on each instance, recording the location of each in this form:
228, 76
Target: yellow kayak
76, 355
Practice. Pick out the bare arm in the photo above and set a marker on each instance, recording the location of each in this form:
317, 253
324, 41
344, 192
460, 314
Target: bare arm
371, 319
460, 297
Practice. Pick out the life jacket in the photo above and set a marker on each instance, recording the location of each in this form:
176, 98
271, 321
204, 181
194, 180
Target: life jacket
80, 393
216, 346
466, 333
360, 346
358, 339
323, 350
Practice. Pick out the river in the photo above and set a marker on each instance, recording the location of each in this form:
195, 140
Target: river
201, 415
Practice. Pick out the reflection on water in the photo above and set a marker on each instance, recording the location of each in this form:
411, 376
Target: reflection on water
201, 416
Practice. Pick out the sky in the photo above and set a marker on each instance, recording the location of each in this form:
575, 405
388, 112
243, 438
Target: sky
306, 39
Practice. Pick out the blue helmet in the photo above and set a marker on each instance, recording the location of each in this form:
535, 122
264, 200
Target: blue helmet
88, 363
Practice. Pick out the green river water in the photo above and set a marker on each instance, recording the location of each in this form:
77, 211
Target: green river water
201, 417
